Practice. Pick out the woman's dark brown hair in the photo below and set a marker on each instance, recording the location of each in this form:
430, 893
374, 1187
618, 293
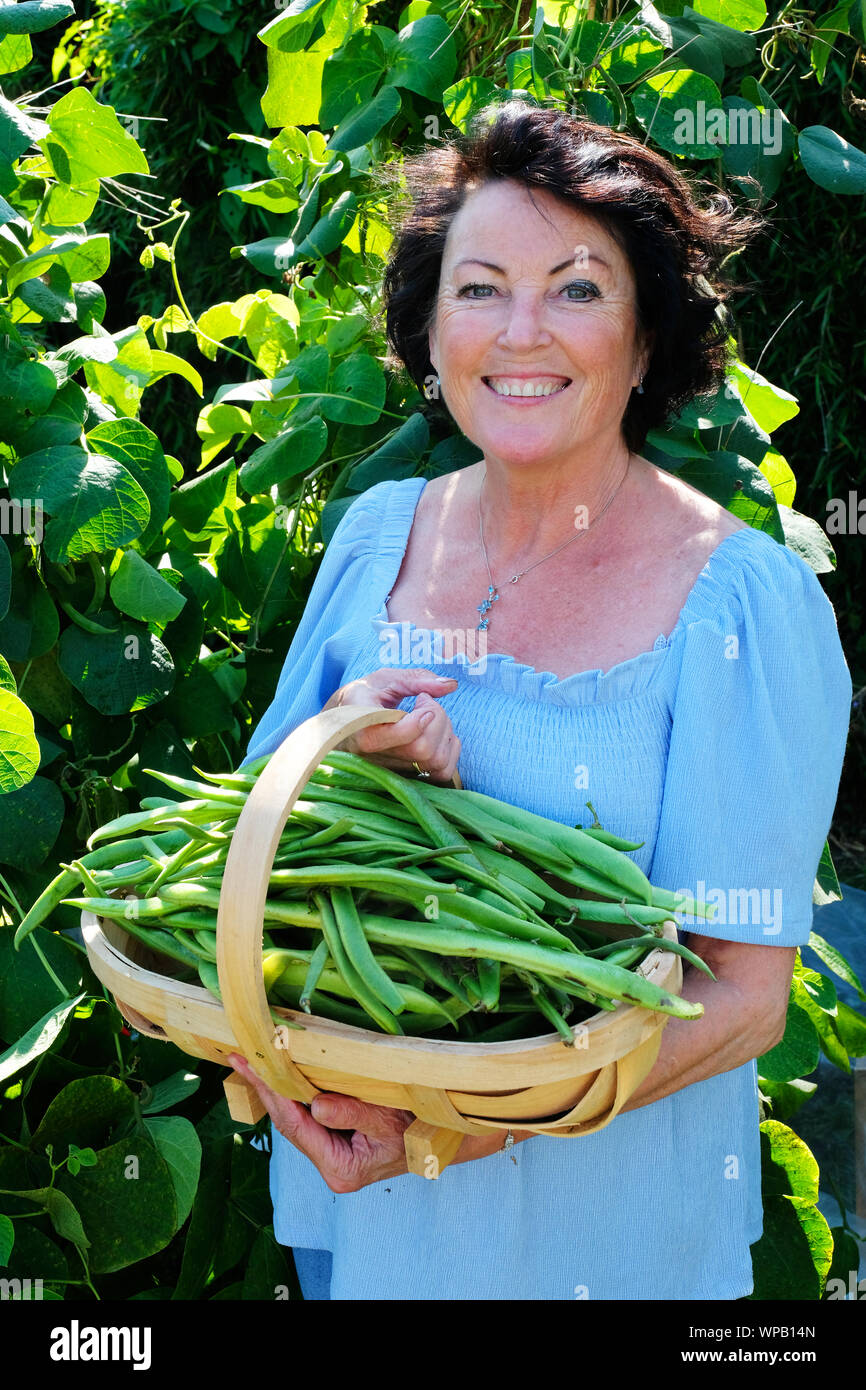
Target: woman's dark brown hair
652, 211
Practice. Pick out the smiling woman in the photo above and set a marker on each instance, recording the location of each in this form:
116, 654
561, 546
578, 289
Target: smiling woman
552, 276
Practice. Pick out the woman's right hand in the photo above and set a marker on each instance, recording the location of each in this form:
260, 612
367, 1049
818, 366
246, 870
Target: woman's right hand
425, 736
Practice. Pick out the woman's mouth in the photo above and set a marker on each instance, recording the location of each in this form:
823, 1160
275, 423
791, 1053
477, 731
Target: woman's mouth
525, 391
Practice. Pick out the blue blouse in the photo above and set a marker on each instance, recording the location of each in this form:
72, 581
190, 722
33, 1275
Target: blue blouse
721, 749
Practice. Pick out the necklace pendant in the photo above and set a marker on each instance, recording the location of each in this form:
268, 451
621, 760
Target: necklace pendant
483, 606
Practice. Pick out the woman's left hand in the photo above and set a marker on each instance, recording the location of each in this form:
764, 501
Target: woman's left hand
351, 1143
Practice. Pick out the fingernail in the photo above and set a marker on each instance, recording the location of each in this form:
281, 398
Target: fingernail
444, 680
426, 718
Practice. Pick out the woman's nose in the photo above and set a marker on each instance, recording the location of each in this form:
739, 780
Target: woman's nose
525, 323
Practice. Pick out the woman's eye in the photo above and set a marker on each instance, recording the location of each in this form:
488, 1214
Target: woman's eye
466, 288
584, 290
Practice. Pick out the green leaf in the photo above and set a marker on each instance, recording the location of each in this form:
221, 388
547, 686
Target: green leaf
467, 97
201, 499
735, 483
826, 887
127, 1203
95, 502
37, 1039
18, 131
217, 426
126, 670
171, 1091
666, 106
424, 57
629, 61
737, 14
138, 449
836, 962
361, 378
88, 142
852, 1029
29, 629
350, 76
806, 538
793, 1256
16, 51
30, 821
63, 1214
33, 16
167, 363
294, 88
398, 457
786, 1097
7, 1239
180, 1147
792, 1168
735, 46
82, 257
362, 125
266, 1269
758, 144
288, 455
798, 1052
19, 750
5, 579
330, 231
91, 1110
830, 161
139, 590
198, 706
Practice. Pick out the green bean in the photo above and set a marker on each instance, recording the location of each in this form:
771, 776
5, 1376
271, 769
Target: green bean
196, 790
359, 800
358, 950
449, 936
313, 972
496, 830
367, 825
323, 837
158, 940
437, 973
546, 1007
513, 892
207, 973
408, 793
369, 1001
62, 885
489, 982
137, 820
551, 834
651, 942
184, 939
195, 920
620, 913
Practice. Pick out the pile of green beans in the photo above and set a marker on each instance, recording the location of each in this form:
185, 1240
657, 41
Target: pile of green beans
396, 904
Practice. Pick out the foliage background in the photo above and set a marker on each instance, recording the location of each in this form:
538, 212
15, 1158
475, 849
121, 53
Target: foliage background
206, 384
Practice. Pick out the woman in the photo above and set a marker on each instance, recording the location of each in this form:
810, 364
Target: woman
654, 655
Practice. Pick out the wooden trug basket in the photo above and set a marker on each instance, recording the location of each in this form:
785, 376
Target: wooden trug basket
454, 1088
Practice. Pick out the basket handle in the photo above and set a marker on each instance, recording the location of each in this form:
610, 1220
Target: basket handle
250, 860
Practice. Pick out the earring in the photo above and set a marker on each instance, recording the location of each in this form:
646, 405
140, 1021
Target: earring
639, 387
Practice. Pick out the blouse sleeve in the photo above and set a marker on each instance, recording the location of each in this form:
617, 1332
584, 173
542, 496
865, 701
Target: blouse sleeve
760, 719
327, 632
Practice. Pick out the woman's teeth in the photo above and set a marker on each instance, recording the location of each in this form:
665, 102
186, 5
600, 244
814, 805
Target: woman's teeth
505, 387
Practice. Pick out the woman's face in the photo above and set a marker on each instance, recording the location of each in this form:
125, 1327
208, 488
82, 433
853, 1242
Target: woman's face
552, 310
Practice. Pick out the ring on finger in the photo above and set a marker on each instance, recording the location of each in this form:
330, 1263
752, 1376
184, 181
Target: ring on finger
419, 770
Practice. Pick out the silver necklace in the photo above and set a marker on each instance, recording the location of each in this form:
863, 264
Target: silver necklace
493, 589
